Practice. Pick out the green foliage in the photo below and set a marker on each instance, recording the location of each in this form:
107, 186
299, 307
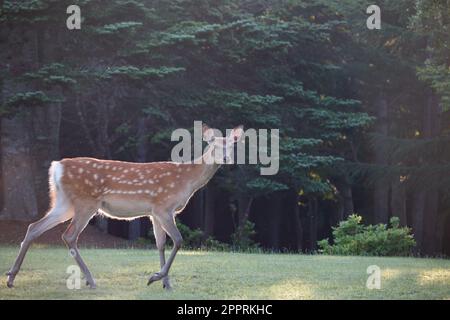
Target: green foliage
52, 74
353, 238
117, 27
268, 65
263, 185
194, 239
438, 76
142, 73
242, 238
27, 99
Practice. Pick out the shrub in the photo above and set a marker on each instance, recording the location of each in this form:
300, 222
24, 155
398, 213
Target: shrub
213, 244
193, 239
353, 238
242, 239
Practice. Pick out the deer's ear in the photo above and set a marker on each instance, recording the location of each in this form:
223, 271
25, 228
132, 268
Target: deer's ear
208, 133
236, 133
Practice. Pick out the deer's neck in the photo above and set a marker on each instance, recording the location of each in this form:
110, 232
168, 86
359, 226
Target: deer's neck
204, 170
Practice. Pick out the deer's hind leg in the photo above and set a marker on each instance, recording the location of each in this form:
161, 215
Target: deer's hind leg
60, 212
83, 213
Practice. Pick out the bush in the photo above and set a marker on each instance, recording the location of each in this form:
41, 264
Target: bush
353, 238
193, 239
242, 239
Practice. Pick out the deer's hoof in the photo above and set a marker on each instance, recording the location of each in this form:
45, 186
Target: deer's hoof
167, 285
91, 285
155, 277
10, 282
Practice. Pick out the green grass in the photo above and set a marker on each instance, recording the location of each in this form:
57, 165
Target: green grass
123, 274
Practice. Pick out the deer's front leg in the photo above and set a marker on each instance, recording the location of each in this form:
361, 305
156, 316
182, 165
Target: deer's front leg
167, 223
160, 237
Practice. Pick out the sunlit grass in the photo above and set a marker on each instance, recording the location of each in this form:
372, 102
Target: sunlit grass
123, 274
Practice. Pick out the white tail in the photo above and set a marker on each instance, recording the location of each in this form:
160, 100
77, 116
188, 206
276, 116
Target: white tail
81, 187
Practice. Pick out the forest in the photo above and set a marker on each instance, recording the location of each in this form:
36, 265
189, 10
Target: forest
363, 114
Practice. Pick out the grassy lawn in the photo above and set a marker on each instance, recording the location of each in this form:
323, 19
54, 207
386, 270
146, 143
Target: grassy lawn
123, 274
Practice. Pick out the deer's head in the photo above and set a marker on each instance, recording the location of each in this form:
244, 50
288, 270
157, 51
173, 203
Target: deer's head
222, 147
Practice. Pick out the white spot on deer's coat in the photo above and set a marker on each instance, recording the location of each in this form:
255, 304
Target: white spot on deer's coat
80, 170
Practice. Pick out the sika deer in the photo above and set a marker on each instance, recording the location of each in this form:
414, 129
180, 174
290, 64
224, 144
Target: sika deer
81, 187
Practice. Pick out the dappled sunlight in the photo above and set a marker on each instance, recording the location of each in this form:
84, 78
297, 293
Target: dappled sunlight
434, 277
123, 274
390, 274
291, 289
193, 253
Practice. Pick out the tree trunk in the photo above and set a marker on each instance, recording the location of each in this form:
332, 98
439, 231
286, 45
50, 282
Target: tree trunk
134, 226
209, 210
19, 202
345, 198
381, 188
244, 204
313, 222
431, 214
16, 145
418, 207
198, 208
275, 221
298, 223
398, 202
46, 121
243, 210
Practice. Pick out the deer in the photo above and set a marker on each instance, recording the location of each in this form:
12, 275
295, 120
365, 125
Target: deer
83, 187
